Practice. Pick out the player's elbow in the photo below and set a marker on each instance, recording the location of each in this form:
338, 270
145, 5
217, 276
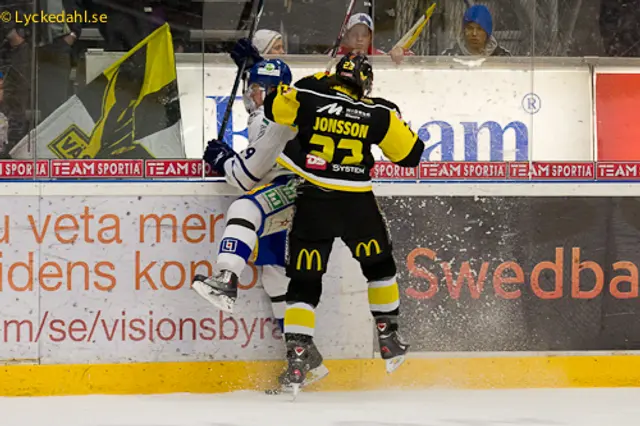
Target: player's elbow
413, 158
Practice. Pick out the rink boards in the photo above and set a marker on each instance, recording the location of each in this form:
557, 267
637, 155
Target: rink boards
502, 286
490, 372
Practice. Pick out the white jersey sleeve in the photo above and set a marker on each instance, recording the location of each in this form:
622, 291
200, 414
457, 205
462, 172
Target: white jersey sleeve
266, 142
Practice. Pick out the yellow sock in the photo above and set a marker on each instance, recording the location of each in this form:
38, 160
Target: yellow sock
300, 318
384, 295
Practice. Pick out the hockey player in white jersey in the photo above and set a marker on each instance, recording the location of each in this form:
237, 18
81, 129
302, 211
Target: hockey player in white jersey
259, 219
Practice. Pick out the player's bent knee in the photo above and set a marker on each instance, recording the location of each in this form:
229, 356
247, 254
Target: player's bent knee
384, 268
304, 274
244, 212
274, 280
306, 266
308, 292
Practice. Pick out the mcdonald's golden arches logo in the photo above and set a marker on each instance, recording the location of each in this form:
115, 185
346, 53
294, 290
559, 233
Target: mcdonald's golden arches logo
367, 248
309, 256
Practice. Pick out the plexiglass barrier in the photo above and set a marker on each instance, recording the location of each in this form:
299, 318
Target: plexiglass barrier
129, 82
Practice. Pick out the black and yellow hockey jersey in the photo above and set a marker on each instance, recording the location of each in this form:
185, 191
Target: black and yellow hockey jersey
336, 132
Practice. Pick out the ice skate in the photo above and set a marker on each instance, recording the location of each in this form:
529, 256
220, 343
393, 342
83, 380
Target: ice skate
392, 348
314, 375
300, 356
220, 290
317, 372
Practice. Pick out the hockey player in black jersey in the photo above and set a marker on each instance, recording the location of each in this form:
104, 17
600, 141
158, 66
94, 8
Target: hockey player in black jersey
336, 125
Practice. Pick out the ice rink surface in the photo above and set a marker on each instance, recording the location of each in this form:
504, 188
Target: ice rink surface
571, 407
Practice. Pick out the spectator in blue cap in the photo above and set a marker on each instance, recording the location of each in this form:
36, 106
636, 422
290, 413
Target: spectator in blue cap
476, 38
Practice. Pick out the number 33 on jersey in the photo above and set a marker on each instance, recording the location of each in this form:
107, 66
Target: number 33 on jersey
336, 132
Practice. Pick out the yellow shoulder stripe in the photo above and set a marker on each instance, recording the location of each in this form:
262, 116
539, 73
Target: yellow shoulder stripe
285, 106
399, 140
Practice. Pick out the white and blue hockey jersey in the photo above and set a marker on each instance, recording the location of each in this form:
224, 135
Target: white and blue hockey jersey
256, 164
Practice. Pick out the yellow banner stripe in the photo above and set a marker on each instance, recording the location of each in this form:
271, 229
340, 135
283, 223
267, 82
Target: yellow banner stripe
542, 370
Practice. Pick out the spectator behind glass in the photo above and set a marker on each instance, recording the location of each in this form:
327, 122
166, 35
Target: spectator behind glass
54, 52
53, 40
476, 38
128, 22
15, 62
620, 27
269, 42
131, 21
358, 38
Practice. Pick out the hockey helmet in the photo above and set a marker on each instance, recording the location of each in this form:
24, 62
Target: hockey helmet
269, 73
265, 76
354, 70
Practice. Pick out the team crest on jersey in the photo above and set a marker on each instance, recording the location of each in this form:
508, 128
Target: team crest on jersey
229, 245
270, 70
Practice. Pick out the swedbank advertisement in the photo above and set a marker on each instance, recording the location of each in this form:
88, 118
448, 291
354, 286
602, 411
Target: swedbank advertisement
517, 273
90, 279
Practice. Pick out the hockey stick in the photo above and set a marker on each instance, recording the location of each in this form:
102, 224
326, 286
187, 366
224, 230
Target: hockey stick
412, 35
236, 83
370, 6
336, 46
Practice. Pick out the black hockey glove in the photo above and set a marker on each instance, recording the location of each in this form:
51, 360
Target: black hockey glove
216, 154
245, 49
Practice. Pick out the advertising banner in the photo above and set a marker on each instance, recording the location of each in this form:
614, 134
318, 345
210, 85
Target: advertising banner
91, 279
440, 171
517, 273
105, 279
617, 100
462, 113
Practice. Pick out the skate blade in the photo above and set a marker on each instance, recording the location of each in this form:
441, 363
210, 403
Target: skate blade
295, 387
315, 375
392, 364
220, 301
